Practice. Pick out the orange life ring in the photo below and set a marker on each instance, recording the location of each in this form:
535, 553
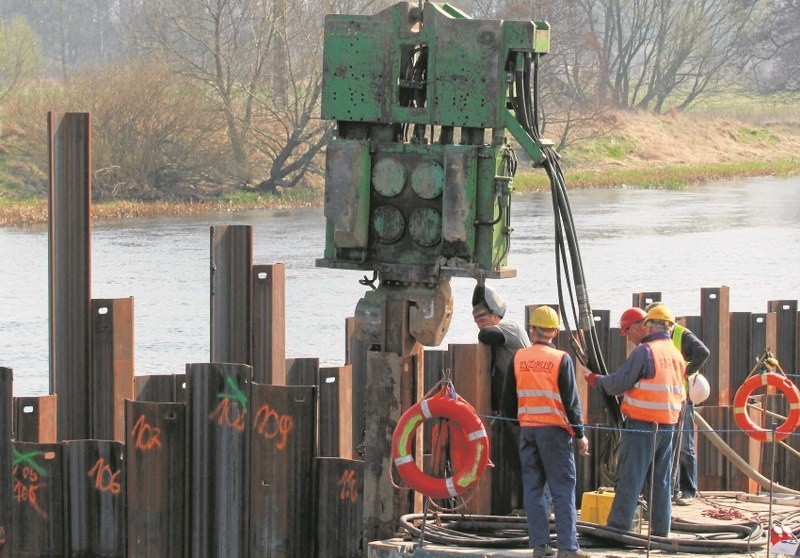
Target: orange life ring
743, 419
474, 463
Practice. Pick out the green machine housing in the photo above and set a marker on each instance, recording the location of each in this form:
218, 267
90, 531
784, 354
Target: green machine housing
413, 189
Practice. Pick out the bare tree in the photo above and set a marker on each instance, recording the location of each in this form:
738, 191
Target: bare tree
700, 63
651, 53
224, 45
148, 142
261, 64
570, 111
289, 132
770, 54
280, 53
483, 9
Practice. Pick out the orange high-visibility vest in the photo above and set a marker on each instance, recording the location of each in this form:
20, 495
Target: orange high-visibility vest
658, 399
538, 399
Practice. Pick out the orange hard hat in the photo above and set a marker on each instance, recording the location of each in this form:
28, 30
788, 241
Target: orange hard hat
630, 317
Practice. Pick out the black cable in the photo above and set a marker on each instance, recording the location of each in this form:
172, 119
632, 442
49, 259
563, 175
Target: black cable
567, 242
570, 279
511, 532
750, 538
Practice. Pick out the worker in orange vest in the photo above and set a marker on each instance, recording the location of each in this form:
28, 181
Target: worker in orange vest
651, 382
695, 354
549, 414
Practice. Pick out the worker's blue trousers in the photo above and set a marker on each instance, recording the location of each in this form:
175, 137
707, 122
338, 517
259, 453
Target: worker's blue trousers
636, 453
687, 477
546, 456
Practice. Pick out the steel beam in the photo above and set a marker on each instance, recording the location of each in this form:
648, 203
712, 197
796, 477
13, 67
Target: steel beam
302, 371
6, 430
35, 419
716, 331
155, 388
642, 299
391, 389
356, 357
269, 324
38, 506
785, 349
340, 508
96, 492
112, 366
335, 407
231, 268
69, 146
156, 434
219, 408
763, 334
282, 501
469, 368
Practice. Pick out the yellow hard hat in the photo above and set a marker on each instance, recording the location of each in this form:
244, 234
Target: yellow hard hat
544, 317
660, 313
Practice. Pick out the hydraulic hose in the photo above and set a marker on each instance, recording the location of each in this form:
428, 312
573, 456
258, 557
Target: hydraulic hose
571, 281
737, 460
511, 532
743, 538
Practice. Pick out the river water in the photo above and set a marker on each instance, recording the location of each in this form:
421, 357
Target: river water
743, 234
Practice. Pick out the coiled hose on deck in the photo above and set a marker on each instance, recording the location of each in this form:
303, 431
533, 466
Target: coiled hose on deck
511, 532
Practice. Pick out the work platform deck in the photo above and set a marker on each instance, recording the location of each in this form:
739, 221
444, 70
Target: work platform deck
706, 510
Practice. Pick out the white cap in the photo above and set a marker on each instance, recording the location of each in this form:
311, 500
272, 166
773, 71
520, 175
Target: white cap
488, 297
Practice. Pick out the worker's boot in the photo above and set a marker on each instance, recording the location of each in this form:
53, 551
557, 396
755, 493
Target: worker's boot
573, 553
543, 551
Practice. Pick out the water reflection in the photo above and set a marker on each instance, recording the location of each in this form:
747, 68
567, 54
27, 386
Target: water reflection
742, 234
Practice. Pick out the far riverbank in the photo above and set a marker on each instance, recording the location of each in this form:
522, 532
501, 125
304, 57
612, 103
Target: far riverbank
30, 213
636, 150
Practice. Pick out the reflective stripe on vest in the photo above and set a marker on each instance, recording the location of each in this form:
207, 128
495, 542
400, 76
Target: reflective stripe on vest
658, 399
536, 369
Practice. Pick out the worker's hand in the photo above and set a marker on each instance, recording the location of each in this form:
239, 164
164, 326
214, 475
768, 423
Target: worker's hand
591, 378
583, 445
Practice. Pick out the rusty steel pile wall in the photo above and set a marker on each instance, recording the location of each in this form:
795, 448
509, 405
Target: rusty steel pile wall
232, 469
213, 463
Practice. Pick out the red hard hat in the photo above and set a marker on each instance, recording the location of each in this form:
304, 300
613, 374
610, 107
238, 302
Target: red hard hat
630, 317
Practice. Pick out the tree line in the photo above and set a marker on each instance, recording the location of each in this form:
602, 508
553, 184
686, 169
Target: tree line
190, 98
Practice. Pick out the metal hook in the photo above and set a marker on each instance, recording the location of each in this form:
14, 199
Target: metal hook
369, 282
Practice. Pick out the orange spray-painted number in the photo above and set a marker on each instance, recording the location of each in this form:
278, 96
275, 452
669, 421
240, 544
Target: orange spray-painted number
347, 486
105, 480
228, 413
26, 487
271, 425
145, 436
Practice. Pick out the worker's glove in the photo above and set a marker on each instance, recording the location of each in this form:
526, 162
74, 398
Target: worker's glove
591, 378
